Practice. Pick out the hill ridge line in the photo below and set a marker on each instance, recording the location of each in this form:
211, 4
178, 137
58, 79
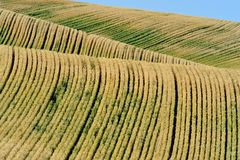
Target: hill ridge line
68, 40
206, 41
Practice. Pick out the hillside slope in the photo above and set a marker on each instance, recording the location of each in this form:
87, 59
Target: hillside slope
66, 106
207, 41
24, 31
82, 81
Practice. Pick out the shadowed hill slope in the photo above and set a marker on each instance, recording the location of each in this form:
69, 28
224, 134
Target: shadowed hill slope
66, 106
207, 41
24, 31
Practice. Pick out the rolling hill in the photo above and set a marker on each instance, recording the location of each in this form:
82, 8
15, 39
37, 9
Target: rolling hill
83, 81
207, 41
24, 31
63, 106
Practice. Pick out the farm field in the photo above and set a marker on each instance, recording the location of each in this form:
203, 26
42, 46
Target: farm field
24, 31
126, 109
83, 81
208, 41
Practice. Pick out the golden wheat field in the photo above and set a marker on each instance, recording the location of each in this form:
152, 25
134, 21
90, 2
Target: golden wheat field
80, 81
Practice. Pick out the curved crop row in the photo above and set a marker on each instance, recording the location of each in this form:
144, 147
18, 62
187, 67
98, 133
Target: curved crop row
202, 40
24, 31
62, 106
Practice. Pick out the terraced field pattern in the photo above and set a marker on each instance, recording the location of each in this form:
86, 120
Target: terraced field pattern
83, 81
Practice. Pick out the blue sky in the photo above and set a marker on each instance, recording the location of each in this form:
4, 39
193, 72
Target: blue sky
220, 9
